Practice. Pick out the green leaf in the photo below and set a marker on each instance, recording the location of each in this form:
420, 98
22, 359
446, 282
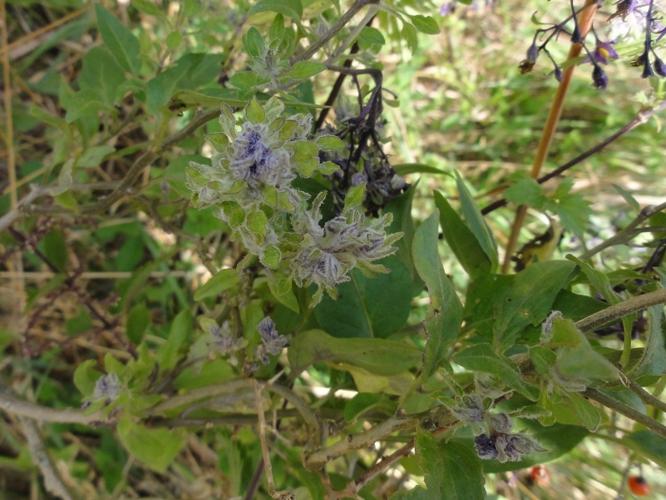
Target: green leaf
425, 24
209, 373
445, 307
475, 222
572, 409
529, 299
417, 168
102, 75
482, 358
653, 360
526, 191
368, 307
253, 42
452, 469
370, 37
138, 320
330, 143
190, 72
85, 377
119, 39
55, 249
578, 360
281, 288
377, 356
289, 8
649, 445
401, 209
304, 69
179, 334
255, 112
156, 448
461, 240
93, 156
221, 282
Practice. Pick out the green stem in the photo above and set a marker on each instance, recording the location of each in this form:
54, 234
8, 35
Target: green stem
626, 410
617, 311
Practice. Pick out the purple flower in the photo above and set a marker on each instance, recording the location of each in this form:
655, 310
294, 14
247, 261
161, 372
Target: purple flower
659, 67
604, 52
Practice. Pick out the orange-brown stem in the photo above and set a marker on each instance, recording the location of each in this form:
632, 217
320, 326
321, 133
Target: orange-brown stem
584, 19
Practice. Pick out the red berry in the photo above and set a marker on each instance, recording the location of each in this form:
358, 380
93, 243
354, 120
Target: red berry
539, 475
638, 486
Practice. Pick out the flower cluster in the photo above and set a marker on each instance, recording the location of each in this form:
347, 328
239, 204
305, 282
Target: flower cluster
630, 17
250, 182
328, 253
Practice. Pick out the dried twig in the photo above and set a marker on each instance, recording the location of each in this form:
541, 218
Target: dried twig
52, 480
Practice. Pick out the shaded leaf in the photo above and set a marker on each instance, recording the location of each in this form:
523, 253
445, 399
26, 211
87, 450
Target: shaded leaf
378, 356
482, 358
119, 39
445, 307
452, 469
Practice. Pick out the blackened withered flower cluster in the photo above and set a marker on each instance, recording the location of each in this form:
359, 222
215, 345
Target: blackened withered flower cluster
629, 19
363, 161
494, 439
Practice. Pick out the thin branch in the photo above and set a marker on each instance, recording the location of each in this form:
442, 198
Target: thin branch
21, 408
625, 410
641, 118
647, 397
584, 23
337, 27
357, 441
146, 158
383, 464
261, 429
52, 481
627, 233
335, 90
617, 311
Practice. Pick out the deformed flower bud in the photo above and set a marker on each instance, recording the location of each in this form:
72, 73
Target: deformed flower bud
471, 410
271, 339
224, 341
505, 447
532, 53
512, 447
107, 387
500, 422
272, 342
547, 326
485, 447
599, 77
659, 67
